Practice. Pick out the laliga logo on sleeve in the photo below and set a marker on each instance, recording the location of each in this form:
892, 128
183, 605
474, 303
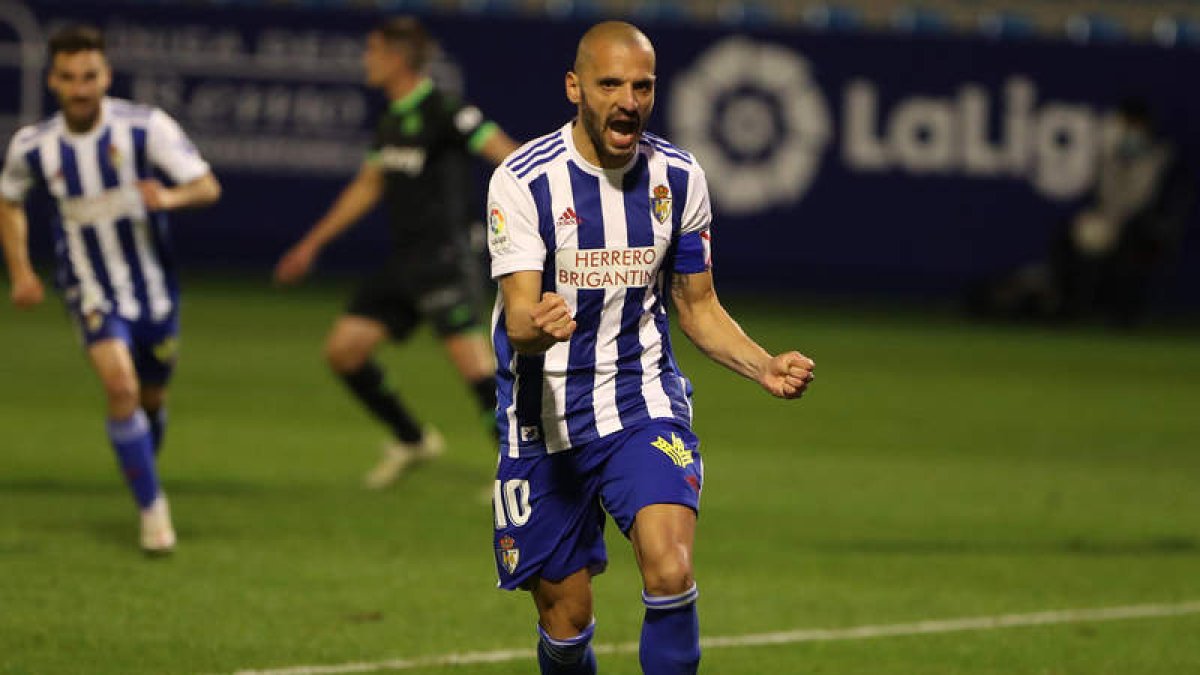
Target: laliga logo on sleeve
756, 120
498, 240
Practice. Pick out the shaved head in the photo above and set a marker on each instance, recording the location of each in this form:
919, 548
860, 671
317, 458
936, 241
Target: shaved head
606, 34
612, 86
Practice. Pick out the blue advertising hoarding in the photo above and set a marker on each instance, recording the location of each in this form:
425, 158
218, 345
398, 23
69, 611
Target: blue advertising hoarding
861, 163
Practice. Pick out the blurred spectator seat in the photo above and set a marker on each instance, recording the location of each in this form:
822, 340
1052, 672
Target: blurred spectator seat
1093, 28
833, 18
1006, 26
919, 21
573, 9
746, 14
1172, 31
418, 6
660, 10
490, 6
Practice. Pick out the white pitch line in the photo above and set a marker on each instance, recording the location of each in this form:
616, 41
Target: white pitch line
787, 637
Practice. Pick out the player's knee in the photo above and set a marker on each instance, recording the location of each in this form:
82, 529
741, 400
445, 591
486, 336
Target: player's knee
566, 618
345, 356
122, 393
669, 573
153, 399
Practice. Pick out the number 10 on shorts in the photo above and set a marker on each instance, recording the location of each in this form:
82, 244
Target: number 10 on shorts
510, 500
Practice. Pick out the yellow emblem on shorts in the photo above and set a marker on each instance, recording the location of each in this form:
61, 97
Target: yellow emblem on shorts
94, 321
675, 450
167, 350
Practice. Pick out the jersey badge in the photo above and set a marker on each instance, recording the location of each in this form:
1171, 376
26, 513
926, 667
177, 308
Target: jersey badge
510, 555
674, 449
661, 203
498, 240
114, 157
94, 320
569, 218
411, 124
468, 119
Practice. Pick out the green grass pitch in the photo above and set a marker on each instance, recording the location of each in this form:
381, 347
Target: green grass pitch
937, 470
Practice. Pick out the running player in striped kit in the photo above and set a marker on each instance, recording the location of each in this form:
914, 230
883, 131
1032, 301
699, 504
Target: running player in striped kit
589, 228
97, 158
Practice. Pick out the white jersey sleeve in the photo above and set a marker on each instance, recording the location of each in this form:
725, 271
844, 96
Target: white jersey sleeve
17, 178
169, 149
513, 238
697, 211
694, 253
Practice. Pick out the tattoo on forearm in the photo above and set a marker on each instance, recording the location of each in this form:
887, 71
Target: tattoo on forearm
679, 284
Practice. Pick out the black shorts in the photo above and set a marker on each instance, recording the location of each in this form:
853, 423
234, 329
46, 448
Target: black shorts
402, 295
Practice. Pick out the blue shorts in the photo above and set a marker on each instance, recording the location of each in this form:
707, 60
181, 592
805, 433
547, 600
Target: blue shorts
549, 510
154, 345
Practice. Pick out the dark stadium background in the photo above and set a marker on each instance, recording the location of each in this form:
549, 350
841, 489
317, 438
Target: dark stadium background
270, 92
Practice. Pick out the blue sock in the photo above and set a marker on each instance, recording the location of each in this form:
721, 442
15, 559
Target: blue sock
135, 450
573, 656
671, 634
158, 427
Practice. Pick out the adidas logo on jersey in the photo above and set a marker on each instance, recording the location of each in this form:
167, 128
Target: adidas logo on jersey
568, 218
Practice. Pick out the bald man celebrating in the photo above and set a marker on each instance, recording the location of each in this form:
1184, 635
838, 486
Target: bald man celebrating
591, 229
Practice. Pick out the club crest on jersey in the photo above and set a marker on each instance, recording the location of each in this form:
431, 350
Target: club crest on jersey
509, 554
661, 202
569, 218
674, 449
114, 157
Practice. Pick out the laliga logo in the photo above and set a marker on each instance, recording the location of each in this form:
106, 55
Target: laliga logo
26, 56
1054, 147
758, 123
755, 119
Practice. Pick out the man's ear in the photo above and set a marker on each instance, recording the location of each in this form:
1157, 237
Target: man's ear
572, 84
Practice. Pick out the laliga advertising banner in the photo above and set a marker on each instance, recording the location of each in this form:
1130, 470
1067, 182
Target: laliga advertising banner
836, 162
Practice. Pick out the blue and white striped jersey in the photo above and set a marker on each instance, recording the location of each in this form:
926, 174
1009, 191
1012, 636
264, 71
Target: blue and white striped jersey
111, 254
607, 241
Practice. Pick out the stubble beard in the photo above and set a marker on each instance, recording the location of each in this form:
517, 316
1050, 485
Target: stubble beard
594, 126
84, 121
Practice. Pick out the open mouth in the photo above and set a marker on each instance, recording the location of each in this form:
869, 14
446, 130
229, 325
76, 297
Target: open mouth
622, 132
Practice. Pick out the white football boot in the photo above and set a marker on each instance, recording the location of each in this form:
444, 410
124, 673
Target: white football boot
158, 536
398, 456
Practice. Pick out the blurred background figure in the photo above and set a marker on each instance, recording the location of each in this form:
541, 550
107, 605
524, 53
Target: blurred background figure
1107, 257
418, 166
96, 158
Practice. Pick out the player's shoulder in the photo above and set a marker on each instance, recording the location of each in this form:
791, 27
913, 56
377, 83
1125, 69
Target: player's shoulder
31, 135
536, 156
443, 100
131, 111
653, 145
463, 115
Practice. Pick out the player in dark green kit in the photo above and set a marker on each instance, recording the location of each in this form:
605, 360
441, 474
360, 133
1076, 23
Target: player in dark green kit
419, 166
